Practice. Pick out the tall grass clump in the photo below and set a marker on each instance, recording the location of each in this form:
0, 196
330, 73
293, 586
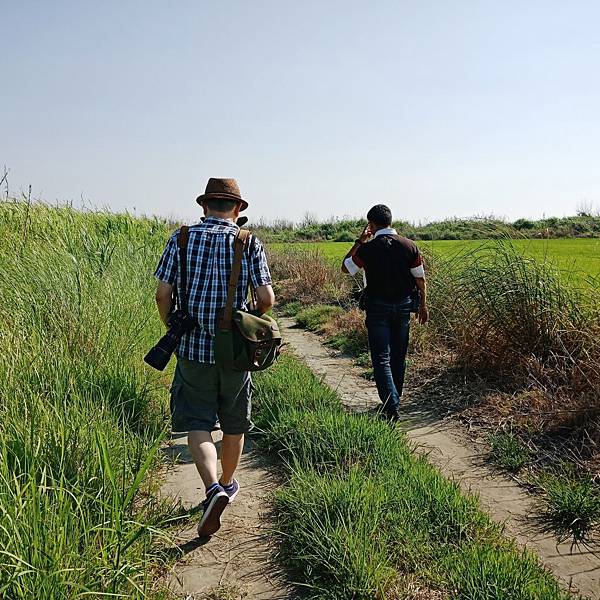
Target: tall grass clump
305, 277
514, 317
360, 516
570, 503
315, 317
80, 417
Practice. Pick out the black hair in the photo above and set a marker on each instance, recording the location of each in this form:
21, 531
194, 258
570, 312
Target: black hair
381, 215
220, 205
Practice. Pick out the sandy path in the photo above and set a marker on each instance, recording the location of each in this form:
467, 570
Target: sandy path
459, 459
238, 558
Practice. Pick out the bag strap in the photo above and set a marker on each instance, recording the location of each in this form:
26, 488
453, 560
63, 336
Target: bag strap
239, 245
182, 242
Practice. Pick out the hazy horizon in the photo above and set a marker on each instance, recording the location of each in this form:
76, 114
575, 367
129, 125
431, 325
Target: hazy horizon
437, 110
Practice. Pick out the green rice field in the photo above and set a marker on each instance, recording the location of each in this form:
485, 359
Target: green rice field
575, 256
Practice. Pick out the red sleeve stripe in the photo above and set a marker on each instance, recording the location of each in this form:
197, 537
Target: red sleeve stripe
358, 262
417, 262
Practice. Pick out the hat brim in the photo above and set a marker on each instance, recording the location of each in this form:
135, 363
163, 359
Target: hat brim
222, 196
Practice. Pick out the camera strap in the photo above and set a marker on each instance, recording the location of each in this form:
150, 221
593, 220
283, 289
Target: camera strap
182, 242
239, 244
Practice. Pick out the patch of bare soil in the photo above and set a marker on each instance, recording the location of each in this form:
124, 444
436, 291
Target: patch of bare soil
237, 562
428, 408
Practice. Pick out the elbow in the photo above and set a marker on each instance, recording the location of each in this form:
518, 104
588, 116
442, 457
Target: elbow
343, 266
266, 298
164, 293
270, 301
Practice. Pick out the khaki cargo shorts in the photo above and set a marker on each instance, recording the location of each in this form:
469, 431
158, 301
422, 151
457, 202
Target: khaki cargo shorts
202, 393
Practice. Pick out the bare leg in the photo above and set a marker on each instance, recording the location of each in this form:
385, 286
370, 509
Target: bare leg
204, 453
231, 452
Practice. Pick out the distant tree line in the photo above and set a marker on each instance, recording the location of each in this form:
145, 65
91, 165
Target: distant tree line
583, 224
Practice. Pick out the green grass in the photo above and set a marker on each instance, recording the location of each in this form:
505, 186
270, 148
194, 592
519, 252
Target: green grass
508, 451
81, 418
570, 504
314, 317
478, 228
291, 309
579, 256
359, 514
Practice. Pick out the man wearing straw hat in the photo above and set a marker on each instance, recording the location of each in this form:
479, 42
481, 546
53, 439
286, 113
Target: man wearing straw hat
203, 392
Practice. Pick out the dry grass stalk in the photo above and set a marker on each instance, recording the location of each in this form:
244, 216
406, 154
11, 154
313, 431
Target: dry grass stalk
305, 276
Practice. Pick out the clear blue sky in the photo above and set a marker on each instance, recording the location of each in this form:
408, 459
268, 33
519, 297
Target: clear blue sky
435, 108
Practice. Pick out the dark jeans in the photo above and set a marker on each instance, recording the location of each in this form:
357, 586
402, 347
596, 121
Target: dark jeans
388, 325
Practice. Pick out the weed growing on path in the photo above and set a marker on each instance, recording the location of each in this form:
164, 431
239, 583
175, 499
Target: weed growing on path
315, 317
508, 451
570, 504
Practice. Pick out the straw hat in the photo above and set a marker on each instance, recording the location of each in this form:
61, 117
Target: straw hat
222, 189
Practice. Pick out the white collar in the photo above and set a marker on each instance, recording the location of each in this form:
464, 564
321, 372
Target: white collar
385, 231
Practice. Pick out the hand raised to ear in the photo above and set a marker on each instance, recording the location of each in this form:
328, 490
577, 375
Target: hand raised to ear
365, 235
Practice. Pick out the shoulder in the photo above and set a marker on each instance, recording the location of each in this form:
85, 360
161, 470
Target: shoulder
366, 248
407, 243
177, 233
254, 244
173, 237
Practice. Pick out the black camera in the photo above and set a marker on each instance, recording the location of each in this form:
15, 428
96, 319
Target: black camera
179, 324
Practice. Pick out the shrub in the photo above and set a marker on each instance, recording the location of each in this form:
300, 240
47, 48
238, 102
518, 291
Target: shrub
305, 276
521, 224
347, 332
511, 316
345, 236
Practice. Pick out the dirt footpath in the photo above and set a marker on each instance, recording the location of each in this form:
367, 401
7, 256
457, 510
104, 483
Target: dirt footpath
236, 562
457, 458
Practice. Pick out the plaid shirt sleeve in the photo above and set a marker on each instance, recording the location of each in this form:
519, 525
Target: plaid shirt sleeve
167, 266
259, 269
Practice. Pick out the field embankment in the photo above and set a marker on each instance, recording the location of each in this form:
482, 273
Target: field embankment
81, 418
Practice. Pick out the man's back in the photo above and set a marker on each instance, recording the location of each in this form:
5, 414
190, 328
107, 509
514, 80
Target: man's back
393, 268
209, 260
388, 259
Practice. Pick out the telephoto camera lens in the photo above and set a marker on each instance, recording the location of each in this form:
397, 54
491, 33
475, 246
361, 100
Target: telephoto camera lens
179, 324
159, 356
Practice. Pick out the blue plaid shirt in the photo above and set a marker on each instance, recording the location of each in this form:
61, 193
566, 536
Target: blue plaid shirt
209, 261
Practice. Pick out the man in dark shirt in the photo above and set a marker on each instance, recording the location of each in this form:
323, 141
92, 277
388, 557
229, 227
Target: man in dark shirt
393, 269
